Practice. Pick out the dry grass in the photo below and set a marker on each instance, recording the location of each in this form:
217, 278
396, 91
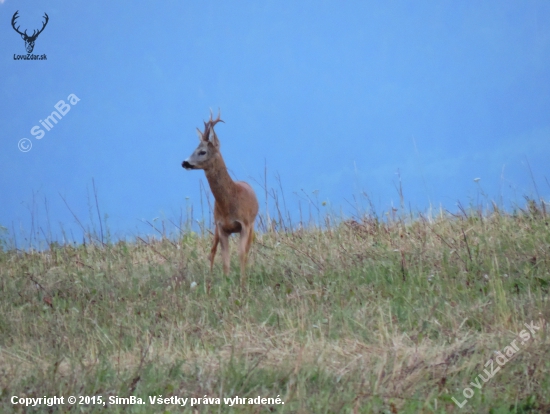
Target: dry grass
359, 316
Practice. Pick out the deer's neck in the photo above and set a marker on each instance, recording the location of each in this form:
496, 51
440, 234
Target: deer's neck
220, 182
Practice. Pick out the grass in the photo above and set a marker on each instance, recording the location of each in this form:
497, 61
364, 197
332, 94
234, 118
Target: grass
360, 315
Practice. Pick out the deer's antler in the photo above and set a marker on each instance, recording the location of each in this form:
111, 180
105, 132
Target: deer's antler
13, 19
34, 33
43, 25
211, 122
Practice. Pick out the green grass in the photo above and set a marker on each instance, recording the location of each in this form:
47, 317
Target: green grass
363, 316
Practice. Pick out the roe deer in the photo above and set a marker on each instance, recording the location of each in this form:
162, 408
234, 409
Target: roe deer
236, 206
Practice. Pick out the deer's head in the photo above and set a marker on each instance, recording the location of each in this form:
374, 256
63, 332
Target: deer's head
209, 147
29, 40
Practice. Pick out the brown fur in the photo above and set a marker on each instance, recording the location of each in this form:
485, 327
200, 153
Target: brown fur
236, 205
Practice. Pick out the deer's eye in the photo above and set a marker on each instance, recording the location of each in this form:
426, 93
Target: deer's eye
202, 152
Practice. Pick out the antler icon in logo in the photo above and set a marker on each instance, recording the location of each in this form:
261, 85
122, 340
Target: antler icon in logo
29, 40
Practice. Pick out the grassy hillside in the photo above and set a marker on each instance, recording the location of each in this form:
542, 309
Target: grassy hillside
360, 315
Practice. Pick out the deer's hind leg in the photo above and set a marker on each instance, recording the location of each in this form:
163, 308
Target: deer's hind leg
247, 234
250, 239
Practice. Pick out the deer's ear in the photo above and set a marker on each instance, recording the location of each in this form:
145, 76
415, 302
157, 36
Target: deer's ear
213, 138
199, 133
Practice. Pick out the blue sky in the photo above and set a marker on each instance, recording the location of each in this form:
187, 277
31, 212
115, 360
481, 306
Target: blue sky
335, 97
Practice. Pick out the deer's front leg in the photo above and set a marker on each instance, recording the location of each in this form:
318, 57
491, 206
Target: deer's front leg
214, 247
224, 241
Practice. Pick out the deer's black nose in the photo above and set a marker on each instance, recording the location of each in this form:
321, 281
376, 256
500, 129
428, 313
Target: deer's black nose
186, 165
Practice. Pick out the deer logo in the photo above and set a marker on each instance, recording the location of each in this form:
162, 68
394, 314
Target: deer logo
236, 205
29, 40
